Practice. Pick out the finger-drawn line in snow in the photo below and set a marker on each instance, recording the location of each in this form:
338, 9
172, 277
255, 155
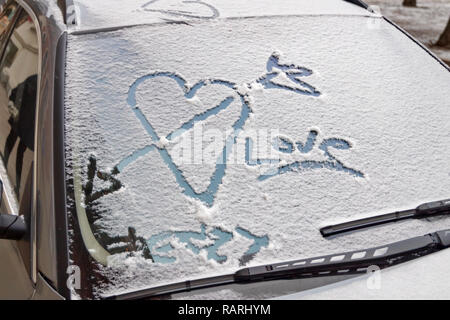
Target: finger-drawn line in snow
274, 69
214, 13
160, 245
285, 146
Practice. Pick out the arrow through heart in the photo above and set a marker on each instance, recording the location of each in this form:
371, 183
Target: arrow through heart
157, 131
207, 196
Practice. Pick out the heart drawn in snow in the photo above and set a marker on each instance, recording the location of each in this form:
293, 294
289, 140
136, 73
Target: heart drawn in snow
164, 128
158, 128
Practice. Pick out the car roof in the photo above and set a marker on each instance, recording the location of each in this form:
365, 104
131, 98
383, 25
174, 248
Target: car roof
84, 15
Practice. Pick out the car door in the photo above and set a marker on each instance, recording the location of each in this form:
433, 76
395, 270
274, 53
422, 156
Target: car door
18, 93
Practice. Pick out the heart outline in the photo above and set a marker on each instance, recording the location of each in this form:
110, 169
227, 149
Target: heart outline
206, 196
293, 72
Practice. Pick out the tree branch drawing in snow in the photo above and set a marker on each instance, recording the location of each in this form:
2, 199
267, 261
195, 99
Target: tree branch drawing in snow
130, 243
89, 193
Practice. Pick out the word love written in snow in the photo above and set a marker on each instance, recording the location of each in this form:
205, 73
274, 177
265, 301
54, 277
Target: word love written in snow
284, 145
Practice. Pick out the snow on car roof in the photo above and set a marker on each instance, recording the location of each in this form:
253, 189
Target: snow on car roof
115, 13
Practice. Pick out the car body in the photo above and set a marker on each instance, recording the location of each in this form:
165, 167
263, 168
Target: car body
58, 243
20, 275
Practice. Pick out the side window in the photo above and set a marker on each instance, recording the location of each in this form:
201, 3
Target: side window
5, 19
18, 88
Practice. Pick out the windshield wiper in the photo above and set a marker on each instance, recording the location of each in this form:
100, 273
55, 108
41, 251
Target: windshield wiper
422, 211
354, 262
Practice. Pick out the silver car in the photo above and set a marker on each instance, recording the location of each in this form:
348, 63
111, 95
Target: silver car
213, 149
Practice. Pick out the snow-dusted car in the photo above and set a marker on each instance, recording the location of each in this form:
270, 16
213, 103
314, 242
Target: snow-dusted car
219, 149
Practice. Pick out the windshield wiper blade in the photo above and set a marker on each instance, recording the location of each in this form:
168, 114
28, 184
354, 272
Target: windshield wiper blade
353, 262
422, 211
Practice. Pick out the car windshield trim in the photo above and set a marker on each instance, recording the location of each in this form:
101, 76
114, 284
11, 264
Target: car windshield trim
352, 262
78, 32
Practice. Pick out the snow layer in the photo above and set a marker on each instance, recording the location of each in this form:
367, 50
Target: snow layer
112, 13
381, 94
424, 278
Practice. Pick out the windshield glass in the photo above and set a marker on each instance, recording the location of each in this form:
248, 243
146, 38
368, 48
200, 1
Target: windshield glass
196, 149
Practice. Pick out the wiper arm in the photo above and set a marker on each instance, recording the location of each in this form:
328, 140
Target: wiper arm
353, 262
424, 210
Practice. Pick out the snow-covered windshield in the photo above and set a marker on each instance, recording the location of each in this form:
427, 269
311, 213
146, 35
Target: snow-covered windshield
195, 149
